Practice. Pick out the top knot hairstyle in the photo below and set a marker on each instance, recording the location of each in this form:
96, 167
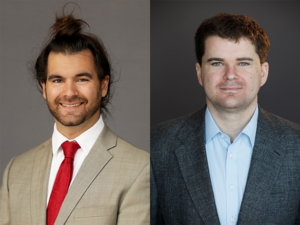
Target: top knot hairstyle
232, 27
66, 36
66, 26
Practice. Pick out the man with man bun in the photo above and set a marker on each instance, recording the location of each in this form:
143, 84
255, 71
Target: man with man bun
231, 162
85, 174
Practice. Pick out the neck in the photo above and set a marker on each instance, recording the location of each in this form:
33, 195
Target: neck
72, 132
232, 122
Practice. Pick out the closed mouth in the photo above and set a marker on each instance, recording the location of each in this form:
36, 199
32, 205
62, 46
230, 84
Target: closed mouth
230, 88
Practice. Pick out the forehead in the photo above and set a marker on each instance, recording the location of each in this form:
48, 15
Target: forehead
216, 46
63, 64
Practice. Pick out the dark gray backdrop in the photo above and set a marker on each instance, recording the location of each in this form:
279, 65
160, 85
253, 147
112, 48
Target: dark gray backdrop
175, 90
124, 27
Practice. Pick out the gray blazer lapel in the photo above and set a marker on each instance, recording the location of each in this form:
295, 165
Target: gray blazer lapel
264, 168
39, 183
193, 164
91, 167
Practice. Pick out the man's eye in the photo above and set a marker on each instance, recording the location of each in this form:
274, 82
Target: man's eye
217, 64
57, 81
243, 64
82, 80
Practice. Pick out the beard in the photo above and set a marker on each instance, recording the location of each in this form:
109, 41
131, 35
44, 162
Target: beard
72, 118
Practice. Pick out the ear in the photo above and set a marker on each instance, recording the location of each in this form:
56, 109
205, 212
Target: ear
44, 88
198, 70
104, 85
264, 73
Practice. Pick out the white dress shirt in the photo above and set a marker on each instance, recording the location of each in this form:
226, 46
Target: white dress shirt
86, 140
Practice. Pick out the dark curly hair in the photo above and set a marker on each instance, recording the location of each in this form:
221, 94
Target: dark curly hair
232, 27
66, 36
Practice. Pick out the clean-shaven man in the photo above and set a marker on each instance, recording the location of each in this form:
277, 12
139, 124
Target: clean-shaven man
85, 174
231, 162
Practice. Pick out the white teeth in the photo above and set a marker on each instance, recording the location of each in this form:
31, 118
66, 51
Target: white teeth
71, 105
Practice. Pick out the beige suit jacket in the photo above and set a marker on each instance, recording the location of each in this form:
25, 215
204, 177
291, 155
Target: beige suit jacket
111, 187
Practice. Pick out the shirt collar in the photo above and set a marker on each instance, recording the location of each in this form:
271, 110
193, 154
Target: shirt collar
211, 128
86, 140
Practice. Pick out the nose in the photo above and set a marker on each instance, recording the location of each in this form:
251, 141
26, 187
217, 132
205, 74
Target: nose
230, 73
70, 89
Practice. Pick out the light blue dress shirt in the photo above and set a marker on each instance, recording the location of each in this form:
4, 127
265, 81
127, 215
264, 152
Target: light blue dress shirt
229, 166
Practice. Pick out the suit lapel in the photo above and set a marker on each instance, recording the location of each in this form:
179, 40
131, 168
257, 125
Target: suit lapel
95, 161
193, 164
264, 168
39, 183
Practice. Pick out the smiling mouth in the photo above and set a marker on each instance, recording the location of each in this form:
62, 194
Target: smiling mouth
73, 105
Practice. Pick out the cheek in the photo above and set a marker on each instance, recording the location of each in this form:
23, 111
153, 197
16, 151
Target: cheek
51, 93
89, 91
213, 79
255, 82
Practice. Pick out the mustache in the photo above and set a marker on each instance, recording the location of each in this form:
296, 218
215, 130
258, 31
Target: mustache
70, 99
235, 84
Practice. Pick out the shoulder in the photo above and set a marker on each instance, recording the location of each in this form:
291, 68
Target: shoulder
172, 127
121, 150
21, 167
164, 136
126, 157
27, 158
128, 150
128, 163
284, 133
168, 136
281, 126
168, 128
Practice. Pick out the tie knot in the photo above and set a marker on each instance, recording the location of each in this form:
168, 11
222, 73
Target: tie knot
70, 149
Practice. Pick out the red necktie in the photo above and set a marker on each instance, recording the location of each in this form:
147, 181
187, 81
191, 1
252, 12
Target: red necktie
62, 181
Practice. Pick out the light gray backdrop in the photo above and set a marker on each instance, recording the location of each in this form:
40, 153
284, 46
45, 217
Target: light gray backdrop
123, 26
175, 90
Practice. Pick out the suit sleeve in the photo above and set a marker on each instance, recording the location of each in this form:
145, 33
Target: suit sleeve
4, 198
135, 208
156, 216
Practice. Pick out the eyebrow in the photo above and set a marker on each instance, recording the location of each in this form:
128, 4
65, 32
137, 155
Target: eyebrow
52, 77
238, 59
88, 75
215, 59
55, 76
244, 59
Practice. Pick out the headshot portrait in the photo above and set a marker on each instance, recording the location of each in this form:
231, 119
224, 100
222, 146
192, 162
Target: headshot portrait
225, 140
75, 133
175, 90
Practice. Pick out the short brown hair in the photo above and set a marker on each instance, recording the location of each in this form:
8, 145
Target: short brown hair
232, 27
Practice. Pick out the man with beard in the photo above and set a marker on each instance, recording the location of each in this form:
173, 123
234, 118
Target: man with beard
85, 174
231, 162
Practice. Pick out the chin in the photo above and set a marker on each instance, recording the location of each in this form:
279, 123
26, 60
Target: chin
235, 106
71, 123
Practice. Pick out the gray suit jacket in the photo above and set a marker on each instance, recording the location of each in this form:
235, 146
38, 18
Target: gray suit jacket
111, 187
181, 190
